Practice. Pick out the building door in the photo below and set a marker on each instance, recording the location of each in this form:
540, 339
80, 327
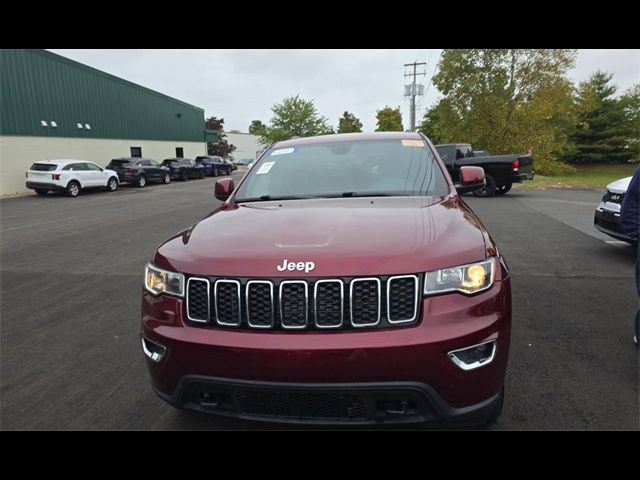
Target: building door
136, 151
179, 152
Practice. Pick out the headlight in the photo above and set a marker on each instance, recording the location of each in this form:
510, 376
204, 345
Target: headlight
472, 278
159, 281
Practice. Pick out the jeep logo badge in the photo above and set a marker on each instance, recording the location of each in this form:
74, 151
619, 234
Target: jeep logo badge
305, 267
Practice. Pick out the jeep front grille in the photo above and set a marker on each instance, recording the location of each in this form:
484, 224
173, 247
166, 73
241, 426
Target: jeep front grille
303, 304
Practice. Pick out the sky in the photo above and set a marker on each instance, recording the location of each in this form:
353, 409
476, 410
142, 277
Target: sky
242, 85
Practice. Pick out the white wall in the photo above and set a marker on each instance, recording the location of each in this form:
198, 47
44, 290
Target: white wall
18, 153
247, 145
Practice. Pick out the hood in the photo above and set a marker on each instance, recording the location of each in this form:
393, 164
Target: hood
619, 186
342, 237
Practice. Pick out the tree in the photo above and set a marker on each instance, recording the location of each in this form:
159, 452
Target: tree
256, 127
631, 104
433, 121
603, 129
294, 117
349, 123
507, 101
222, 147
389, 120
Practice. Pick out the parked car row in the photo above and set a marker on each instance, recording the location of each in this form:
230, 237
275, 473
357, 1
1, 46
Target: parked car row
71, 176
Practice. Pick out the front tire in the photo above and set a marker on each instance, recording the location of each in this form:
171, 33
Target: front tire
201, 174
166, 179
112, 184
502, 189
73, 189
185, 176
40, 191
142, 181
215, 172
489, 189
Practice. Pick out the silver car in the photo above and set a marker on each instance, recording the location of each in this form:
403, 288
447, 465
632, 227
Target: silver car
607, 215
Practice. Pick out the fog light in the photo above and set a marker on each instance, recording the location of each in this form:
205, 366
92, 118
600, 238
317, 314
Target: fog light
469, 358
152, 350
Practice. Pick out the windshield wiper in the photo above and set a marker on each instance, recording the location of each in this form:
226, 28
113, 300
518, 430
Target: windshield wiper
266, 198
373, 194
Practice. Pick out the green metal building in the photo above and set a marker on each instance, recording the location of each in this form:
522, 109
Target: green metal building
53, 107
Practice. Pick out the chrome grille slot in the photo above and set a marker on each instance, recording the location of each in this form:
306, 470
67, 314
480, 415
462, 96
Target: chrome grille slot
328, 303
227, 302
364, 294
294, 303
259, 304
402, 298
198, 299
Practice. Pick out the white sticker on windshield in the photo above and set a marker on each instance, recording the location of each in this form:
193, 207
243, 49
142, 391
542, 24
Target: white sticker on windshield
265, 167
282, 151
412, 143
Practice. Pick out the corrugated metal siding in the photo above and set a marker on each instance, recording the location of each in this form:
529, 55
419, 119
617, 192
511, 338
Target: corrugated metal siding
210, 136
38, 85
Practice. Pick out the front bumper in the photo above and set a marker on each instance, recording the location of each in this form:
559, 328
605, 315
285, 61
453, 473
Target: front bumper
608, 222
324, 403
406, 363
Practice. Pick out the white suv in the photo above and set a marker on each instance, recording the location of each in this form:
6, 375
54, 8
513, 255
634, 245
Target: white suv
69, 176
607, 214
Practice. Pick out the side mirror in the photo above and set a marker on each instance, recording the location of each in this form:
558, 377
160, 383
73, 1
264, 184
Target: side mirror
471, 179
224, 189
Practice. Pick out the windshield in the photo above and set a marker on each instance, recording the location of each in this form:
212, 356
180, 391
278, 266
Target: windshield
169, 162
358, 168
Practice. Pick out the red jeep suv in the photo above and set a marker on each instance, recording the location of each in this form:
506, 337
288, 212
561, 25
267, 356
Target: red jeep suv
344, 280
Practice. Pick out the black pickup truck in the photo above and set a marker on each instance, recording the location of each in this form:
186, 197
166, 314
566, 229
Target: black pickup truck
501, 171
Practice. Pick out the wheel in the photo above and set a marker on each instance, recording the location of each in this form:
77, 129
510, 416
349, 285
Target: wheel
497, 411
502, 189
215, 172
166, 179
185, 176
112, 184
489, 189
201, 174
142, 181
73, 189
39, 191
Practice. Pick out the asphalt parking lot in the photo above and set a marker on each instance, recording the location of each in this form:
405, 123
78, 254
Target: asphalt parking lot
71, 275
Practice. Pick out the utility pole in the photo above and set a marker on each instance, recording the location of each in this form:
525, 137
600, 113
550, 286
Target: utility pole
413, 89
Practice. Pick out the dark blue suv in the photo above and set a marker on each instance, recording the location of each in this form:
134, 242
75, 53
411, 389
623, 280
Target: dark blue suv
214, 165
